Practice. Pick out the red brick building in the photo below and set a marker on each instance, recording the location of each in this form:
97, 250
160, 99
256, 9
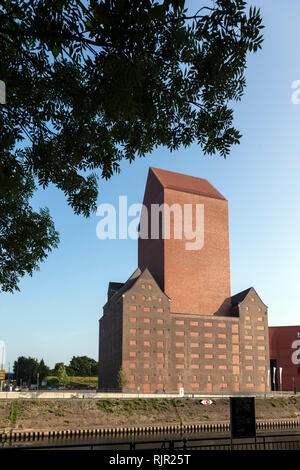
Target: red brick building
174, 324
285, 357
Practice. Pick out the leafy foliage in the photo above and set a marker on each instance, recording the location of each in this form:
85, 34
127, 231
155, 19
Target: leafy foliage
90, 84
121, 378
62, 376
79, 366
27, 369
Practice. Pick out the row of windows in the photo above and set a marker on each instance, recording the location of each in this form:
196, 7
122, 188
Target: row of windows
178, 344
146, 298
235, 369
209, 387
146, 378
234, 328
145, 309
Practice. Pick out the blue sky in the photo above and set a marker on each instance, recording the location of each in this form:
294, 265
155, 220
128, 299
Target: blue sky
55, 316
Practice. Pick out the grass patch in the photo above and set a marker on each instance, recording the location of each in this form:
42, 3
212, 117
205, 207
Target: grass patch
74, 382
13, 415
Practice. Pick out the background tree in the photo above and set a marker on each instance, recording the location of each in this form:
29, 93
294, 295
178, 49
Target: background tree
56, 368
121, 378
62, 376
43, 371
83, 366
27, 368
89, 84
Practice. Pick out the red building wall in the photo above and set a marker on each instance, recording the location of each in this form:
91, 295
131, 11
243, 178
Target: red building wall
284, 342
196, 281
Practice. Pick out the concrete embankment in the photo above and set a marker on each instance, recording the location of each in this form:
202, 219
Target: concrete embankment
34, 419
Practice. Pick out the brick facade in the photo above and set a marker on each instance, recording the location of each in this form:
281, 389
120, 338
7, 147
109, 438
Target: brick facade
163, 333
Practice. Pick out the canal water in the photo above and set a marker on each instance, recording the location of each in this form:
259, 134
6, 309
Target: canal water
118, 442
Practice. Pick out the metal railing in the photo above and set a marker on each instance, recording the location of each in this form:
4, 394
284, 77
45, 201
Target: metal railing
286, 441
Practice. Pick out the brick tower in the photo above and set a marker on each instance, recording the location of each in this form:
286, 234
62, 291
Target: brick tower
196, 280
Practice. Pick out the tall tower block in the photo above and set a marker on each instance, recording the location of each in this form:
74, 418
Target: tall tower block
197, 281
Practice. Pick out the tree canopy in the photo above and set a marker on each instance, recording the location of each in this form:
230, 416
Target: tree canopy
81, 366
91, 83
29, 370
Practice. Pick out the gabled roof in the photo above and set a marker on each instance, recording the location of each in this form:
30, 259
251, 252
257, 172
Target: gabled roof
238, 298
113, 287
186, 183
129, 283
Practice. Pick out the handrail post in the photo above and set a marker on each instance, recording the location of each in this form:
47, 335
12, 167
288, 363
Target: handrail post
184, 443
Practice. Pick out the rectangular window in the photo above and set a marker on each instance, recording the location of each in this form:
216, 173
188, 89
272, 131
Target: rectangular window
146, 332
179, 333
132, 342
194, 323
160, 344
179, 366
159, 310
132, 331
194, 345
179, 345
146, 309
132, 319
146, 320
179, 355
132, 307
179, 322
160, 322
193, 333
146, 354
208, 324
